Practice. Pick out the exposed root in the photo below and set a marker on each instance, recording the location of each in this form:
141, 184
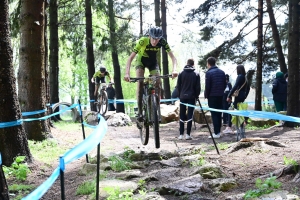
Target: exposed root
238, 146
248, 142
290, 169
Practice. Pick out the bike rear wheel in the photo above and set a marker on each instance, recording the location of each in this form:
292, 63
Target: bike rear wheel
102, 103
154, 117
144, 126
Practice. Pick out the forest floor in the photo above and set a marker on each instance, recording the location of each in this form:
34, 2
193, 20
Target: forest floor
244, 165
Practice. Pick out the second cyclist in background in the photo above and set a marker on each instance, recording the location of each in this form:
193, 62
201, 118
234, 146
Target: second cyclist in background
146, 49
99, 77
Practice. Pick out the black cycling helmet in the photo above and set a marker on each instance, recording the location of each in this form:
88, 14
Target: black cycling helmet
156, 32
102, 69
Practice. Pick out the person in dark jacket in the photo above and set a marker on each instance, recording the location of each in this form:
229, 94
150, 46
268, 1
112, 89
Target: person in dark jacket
174, 94
215, 84
242, 84
226, 105
111, 96
188, 85
279, 92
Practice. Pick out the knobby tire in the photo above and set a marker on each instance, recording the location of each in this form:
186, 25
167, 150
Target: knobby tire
155, 124
144, 130
102, 106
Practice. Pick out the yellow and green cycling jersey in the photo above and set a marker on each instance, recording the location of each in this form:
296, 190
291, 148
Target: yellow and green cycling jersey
100, 78
146, 53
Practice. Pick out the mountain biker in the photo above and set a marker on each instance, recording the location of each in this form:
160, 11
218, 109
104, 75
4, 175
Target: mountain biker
99, 77
146, 49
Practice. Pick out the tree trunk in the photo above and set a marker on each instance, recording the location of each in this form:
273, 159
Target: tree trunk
259, 56
276, 37
141, 19
166, 81
13, 141
3, 183
293, 62
90, 50
54, 52
31, 74
114, 54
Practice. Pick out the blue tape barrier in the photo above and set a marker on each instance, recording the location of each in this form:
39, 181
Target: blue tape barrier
10, 124
252, 113
20, 121
33, 112
77, 152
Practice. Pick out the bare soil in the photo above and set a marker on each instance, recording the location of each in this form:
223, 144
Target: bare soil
245, 165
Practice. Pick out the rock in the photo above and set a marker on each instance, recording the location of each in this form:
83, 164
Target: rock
222, 184
210, 171
187, 185
87, 169
119, 119
169, 113
199, 117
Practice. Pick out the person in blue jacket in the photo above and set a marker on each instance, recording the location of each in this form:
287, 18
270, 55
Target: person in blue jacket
215, 84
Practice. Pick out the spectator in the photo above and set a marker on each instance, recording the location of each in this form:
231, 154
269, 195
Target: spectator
188, 85
242, 84
111, 96
215, 84
279, 92
226, 105
174, 94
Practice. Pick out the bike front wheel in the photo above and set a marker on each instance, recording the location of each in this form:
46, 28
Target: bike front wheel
102, 103
154, 117
144, 125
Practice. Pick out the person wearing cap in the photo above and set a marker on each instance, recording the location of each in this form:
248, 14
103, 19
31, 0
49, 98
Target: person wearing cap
145, 52
279, 91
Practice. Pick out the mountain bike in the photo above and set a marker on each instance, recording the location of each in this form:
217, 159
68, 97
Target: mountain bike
150, 109
102, 100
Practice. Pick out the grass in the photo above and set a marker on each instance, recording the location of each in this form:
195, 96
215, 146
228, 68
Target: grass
119, 164
67, 125
20, 190
46, 151
86, 188
223, 145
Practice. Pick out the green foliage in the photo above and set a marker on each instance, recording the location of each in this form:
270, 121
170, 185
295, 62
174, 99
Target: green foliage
119, 164
265, 187
289, 161
199, 162
18, 169
127, 153
86, 188
117, 194
223, 145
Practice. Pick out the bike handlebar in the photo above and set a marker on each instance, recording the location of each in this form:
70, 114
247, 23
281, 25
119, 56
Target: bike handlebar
135, 79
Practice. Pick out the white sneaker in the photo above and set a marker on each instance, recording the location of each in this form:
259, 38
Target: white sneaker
215, 135
188, 137
228, 130
180, 137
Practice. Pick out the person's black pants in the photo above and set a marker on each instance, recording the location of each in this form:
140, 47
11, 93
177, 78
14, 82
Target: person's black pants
186, 117
216, 102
